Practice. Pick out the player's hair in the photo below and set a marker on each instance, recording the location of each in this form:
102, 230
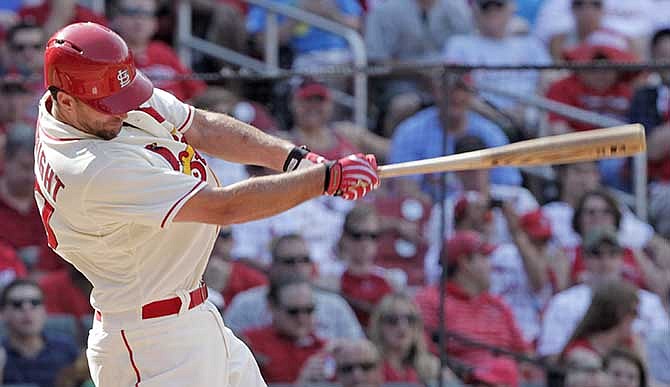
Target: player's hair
603, 194
631, 357
279, 281
15, 284
278, 241
20, 138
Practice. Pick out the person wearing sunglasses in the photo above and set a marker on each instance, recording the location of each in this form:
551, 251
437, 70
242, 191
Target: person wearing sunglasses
26, 42
33, 356
362, 283
291, 255
358, 364
286, 345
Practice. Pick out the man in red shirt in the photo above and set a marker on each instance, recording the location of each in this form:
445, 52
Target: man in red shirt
136, 22
288, 351
20, 220
471, 310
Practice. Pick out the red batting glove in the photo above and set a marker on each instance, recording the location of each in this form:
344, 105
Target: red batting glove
352, 177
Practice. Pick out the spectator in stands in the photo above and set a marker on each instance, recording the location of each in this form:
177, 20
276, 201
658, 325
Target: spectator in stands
496, 45
471, 310
566, 309
421, 135
249, 309
598, 209
53, 15
658, 355
358, 364
136, 22
11, 266
67, 292
585, 369
26, 44
362, 284
608, 321
312, 108
626, 368
396, 328
20, 219
588, 28
632, 19
478, 182
284, 348
311, 46
228, 276
33, 356
17, 100
401, 30
651, 108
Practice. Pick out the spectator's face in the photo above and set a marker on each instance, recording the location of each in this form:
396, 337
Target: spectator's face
294, 316
601, 80
595, 214
19, 174
398, 327
475, 180
17, 101
605, 262
478, 269
585, 369
582, 177
136, 21
292, 256
358, 366
359, 242
493, 17
459, 102
661, 52
588, 13
24, 313
623, 373
312, 112
27, 47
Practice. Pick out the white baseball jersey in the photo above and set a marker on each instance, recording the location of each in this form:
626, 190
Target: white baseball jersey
108, 205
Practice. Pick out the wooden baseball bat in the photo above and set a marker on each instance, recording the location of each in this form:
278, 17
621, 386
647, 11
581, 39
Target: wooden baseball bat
618, 141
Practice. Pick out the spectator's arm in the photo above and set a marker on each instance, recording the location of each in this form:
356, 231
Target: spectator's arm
556, 46
655, 278
364, 139
60, 14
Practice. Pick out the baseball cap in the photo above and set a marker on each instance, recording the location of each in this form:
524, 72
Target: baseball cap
536, 225
497, 372
465, 243
594, 238
309, 87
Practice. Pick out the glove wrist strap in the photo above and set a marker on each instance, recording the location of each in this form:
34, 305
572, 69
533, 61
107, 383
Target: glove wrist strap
294, 157
333, 178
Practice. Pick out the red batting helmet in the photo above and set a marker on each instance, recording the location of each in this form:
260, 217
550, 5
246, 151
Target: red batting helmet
93, 63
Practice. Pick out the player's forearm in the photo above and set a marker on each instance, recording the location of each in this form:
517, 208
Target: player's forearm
227, 138
254, 198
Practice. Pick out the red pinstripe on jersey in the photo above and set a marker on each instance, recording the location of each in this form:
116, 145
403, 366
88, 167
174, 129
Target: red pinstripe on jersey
132, 360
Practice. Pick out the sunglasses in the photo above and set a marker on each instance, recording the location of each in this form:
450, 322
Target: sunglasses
293, 260
26, 46
582, 3
295, 311
394, 319
18, 304
363, 366
491, 6
359, 235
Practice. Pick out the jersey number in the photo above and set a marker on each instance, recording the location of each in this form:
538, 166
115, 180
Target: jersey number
47, 212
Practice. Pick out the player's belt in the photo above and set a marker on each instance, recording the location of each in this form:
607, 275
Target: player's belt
169, 306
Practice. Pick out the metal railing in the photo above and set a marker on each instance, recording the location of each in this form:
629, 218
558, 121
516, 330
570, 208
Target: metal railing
187, 42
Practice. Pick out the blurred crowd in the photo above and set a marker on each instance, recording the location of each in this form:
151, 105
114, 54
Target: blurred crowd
548, 271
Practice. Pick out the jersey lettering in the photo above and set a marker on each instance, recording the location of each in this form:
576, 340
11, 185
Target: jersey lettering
46, 213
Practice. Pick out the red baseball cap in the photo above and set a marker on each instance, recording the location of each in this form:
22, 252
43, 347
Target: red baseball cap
497, 372
464, 243
310, 87
536, 225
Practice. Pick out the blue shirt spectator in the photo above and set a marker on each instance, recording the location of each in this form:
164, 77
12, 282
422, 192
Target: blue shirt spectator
305, 38
528, 9
421, 137
42, 370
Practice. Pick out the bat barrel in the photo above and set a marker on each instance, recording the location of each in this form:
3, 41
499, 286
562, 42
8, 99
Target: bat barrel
619, 141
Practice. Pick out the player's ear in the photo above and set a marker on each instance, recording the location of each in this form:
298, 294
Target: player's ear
65, 101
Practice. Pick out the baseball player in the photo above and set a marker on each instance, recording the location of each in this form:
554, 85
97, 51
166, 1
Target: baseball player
127, 198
